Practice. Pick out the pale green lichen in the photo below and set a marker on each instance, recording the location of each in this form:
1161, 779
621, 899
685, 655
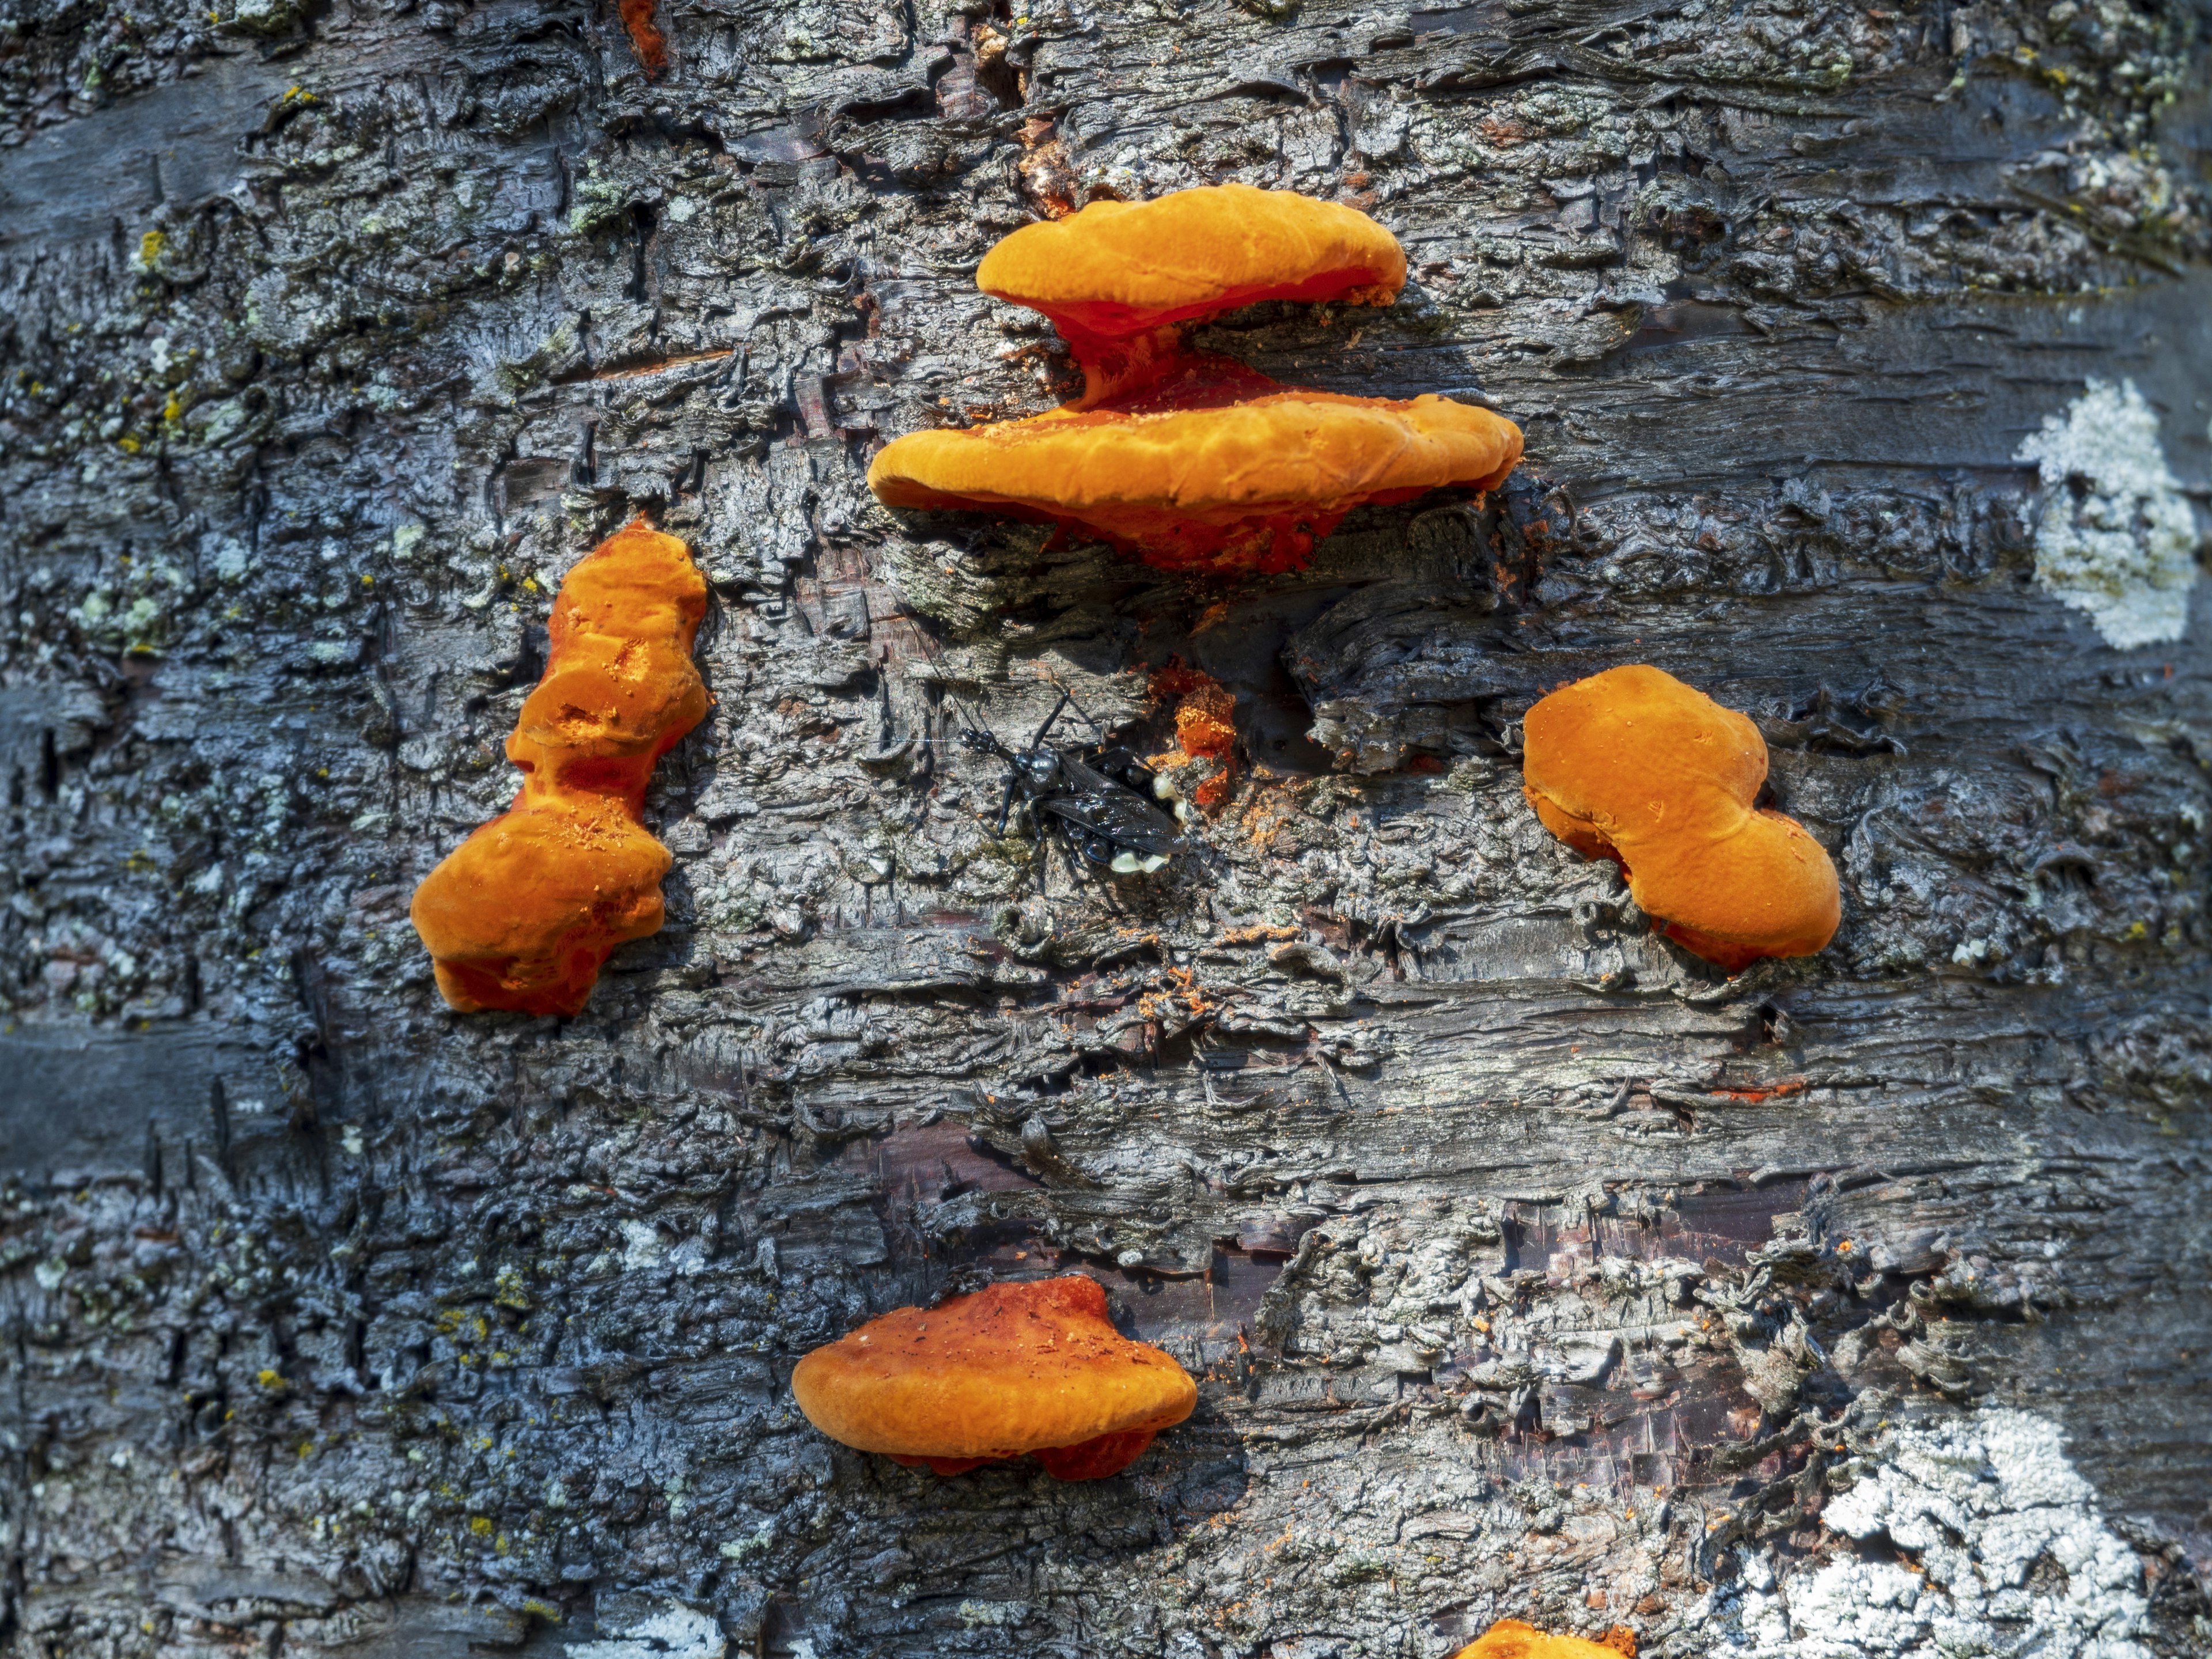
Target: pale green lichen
2117, 537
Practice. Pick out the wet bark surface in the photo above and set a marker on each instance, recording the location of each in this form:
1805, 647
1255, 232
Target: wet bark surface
1530, 1267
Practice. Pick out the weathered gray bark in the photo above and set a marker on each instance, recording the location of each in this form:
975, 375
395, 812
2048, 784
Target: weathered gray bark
1533, 1268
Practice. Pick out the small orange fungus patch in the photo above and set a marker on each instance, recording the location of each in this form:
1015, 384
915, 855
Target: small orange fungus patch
1201, 765
1188, 460
1509, 1638
522, 913
1034, 1370
646, 38
1635, 766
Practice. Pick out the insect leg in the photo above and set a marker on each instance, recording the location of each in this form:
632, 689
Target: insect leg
1037, 742
1097, 730
1006, 801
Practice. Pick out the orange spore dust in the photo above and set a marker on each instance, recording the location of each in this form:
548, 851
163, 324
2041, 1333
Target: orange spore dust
526, 911
1027, 1370
1188, 460
1635, 766
1509, 1638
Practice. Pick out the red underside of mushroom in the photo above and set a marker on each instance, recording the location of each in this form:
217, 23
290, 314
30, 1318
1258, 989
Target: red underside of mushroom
1088, 1459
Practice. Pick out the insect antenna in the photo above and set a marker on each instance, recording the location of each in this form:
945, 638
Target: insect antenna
969, 714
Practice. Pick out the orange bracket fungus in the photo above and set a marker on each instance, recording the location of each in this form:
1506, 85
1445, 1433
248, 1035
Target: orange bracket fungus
1509, 1638
522, 913
1635, 766
1193, 461
1033, 1369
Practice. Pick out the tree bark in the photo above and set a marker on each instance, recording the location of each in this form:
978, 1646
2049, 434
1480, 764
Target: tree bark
1530, 1267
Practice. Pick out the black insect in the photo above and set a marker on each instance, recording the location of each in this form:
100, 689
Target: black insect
1098, 799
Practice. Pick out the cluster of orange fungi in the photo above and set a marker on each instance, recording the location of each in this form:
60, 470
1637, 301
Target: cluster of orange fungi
1635, 766
1191, 460
522, 913
1031, 1369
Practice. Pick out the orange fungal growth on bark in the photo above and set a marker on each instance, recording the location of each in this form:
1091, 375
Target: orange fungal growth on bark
1635, 766
1509, 1638
1033, 1369
1191, 460
646, 38
1200, 767
526, 911
1120, 269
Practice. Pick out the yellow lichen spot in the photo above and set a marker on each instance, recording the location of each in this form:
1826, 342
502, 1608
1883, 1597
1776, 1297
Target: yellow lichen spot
150, 248
2138, 930
128, 446
449, 1321
173, 409
530, 584
367, 580
307, 1450
272, 1381
480, 1525
499, 1544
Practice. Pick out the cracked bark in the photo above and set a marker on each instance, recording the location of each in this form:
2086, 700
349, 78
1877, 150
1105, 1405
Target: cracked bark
1530, 1269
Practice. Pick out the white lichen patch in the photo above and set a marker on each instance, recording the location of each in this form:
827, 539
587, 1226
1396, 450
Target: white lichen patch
2003, 1552
668, 1630
2116, 537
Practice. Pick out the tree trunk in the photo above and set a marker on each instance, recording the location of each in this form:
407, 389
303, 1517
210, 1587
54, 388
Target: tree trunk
1531, 1267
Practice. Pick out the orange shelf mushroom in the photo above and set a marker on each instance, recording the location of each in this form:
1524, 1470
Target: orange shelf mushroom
525, 911
1509, 1638
1192, 460
1033, 1370
1640, 768
1635, 766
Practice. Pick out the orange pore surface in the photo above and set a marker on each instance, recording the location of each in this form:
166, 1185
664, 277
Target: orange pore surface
1033, 1369
1635, 766
1509, 1638
525, 911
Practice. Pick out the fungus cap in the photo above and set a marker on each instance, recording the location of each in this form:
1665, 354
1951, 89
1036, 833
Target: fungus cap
1509, 1638
1118, 268
1012, 1369
1634, 765
1251, 483
522, 913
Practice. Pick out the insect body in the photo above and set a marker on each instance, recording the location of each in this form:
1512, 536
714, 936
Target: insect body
1096, 799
